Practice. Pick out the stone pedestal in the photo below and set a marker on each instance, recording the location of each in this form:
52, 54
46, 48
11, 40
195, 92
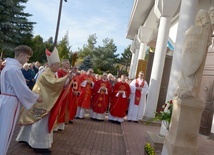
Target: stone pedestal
156, 140
184, 130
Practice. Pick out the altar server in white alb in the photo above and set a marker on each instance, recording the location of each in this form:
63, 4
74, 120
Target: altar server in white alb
13, 92
139, 90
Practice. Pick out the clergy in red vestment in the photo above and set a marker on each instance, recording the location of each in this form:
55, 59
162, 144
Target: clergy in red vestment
63, 110
100, 98
119, 102
86, 83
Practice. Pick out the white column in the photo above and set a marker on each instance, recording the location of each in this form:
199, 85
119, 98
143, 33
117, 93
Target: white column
186, 19
131, 65
132, 49
158, 65
212, 128
142, 52
135, 49
135, 63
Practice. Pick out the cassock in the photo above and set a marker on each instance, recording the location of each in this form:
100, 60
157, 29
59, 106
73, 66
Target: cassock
137, 100
86, 84
34, 122
14, 92
100, 99
119, 102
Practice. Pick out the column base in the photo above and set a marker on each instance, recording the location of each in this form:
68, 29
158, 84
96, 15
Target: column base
156, 140
147, 120
211, 136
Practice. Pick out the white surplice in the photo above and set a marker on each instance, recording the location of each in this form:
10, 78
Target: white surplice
14, 91
136, 112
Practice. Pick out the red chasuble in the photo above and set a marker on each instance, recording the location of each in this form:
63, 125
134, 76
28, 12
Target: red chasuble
138, 92
119, 105
86, 92
100, 100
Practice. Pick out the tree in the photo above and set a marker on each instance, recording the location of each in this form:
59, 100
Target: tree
89, 47
86, 64
63, 47
104, 58
38, 47
126, 58
14, 25
49, 44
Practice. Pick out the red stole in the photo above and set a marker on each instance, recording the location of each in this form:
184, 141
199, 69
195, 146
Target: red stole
138, 92
73, 99
56, 111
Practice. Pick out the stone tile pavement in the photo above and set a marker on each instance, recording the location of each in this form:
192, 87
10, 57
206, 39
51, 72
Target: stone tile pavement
87, 137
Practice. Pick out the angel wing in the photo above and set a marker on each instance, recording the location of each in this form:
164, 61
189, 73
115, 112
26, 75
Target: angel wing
195, 48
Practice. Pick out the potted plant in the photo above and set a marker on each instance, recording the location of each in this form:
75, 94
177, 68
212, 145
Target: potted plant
149, 150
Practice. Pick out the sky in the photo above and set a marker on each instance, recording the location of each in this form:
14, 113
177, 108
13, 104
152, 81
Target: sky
81, 18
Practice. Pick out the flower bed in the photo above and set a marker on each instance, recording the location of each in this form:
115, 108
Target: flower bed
149, 150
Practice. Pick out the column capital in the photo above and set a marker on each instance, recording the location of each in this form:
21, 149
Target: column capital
166, 8
132, 48
135, 44
145, 34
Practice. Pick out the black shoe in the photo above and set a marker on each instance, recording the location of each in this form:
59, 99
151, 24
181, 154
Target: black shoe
115, 122
92, 118
25, 143
118, 122
71, 122
60, 130
42, 150
111, 121
129, 120
136, 121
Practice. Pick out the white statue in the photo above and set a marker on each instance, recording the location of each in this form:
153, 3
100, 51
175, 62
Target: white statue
197, 40
211, 14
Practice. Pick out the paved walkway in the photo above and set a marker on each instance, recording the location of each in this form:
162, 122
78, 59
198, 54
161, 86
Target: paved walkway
87, 137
